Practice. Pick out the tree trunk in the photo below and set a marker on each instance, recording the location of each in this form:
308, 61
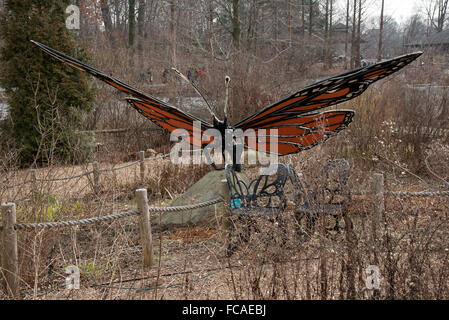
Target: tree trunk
359, 22
347, 35
251, 23
141, 18
83, 22
353, 39
235, 24
303, 18
290, 33
310, 17
106, 15
329, 35
330, 40
326, 36
211, 26
131, 22
442, 10
256, 25
172, 33
141, 33
275, 27
381, 30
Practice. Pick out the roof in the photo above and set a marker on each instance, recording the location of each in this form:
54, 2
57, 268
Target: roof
339, 27
440, 38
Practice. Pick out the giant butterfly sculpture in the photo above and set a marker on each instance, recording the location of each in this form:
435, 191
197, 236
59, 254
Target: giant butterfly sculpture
299, 123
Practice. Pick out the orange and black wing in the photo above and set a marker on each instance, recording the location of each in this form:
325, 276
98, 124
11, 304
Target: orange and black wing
171, 118
297, 133
123, 87
94, 72
160, 113
325, 93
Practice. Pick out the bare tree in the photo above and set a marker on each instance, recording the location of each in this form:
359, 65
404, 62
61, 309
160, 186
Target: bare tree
415, 29
172, 33
211, 25
303, 18
235, 24
353, 36
131, 22
276, 24
106, 15
347, 34
311, 4
442, 11
436, 11
359, 23
141, 32
253, 16
329, 45
326, 35
381, 29
326, 30
290, 26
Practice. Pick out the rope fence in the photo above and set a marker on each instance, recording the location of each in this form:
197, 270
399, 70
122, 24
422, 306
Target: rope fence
46, 225
405, 193
96, 171
10, 227
43, 225
419, 193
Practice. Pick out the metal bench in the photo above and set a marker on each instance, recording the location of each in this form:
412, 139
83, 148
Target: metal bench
263, 196
329, 194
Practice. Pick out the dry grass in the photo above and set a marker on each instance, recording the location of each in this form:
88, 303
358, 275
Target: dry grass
411, 248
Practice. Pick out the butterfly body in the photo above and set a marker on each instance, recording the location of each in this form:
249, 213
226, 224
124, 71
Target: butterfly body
221, 125
297, 120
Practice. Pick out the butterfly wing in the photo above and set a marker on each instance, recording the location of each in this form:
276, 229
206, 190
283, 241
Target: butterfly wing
160, 113
123, 87
328, 92
170, 118
297, 133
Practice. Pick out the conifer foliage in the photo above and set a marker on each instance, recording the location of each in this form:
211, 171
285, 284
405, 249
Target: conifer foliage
47, 100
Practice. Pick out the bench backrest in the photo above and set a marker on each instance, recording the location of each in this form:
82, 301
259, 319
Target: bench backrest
332, 187
265, 193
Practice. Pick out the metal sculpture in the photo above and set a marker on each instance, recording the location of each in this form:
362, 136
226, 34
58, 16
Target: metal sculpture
299, 122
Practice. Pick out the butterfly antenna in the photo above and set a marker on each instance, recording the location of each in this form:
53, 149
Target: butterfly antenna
196, 89
227, 80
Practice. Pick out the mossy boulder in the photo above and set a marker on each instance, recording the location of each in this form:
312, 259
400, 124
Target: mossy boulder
207, 188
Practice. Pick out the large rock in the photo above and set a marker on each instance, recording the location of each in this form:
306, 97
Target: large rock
207, 188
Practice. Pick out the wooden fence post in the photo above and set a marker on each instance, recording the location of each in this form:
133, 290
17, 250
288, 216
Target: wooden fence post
142, 166
33, 183
377, 189
225, 217
10, 264
96, 171
145, 227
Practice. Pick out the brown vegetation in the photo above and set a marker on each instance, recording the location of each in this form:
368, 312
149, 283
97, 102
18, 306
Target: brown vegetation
398, 130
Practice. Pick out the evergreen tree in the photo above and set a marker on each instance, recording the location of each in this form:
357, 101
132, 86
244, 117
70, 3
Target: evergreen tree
47, 100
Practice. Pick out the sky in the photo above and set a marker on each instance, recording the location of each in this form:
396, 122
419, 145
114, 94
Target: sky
401, 10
